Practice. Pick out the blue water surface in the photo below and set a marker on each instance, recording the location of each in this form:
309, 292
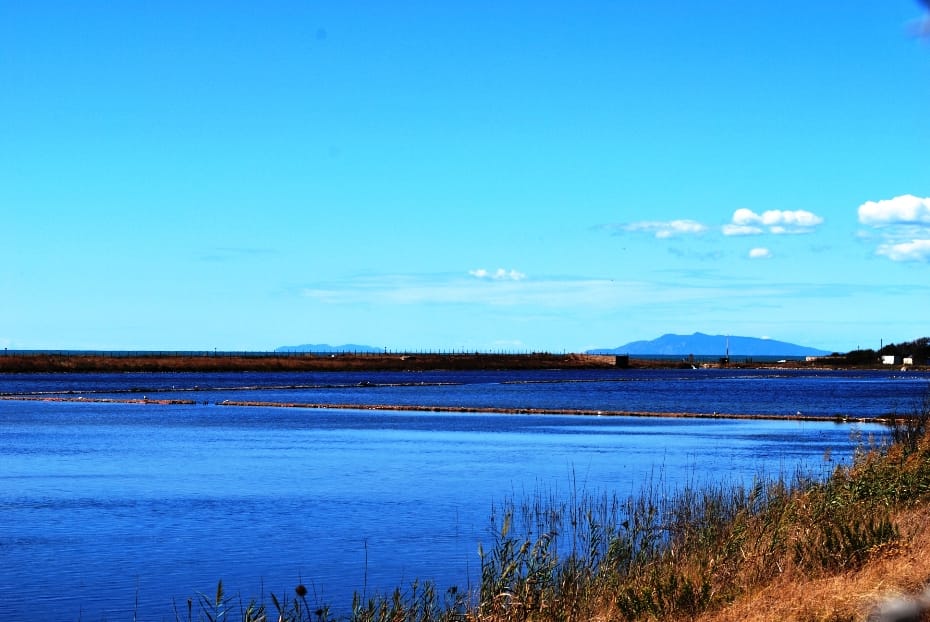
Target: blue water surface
114, 511
816, 393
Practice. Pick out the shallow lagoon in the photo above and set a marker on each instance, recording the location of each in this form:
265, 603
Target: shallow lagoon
102, 505
770, 392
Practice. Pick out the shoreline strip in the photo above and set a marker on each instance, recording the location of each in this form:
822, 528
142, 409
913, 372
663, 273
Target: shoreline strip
552, 411
455, 409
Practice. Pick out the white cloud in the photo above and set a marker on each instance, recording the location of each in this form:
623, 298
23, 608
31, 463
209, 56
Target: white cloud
903, 223
796, 219
903, 210
747, 222
745, 217
667, 229
499, 275
760, 253
915, 250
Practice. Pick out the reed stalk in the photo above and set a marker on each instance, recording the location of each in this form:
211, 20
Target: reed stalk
657, 554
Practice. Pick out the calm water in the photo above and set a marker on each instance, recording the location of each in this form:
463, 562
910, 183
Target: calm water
105, 504
757, 392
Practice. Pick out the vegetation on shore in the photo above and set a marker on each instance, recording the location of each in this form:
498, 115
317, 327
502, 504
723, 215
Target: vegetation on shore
794, 548
918, 350
225, 362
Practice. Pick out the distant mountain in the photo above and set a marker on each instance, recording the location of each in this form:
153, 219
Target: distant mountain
325, 347
700, 344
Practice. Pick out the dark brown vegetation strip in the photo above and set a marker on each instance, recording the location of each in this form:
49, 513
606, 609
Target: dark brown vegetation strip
79, 363
222, 362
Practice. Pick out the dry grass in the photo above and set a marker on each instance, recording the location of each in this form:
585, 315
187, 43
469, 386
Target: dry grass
83, 363
900, 570
801, 549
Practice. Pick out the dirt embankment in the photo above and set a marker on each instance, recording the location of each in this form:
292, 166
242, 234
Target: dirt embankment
86, 363
19, 362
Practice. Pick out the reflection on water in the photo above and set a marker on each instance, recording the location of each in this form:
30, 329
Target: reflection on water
105, 504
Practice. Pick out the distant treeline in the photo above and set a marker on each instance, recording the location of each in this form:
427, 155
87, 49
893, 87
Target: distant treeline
919, 350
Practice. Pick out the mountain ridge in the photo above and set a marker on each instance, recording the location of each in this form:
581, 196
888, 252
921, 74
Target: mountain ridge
701, 344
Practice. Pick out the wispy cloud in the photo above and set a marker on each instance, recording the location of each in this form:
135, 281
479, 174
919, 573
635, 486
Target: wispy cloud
760, 253
903, 223
915, 250
731, 229
747, 222
664, 229
550, 292
498, 275
481, 289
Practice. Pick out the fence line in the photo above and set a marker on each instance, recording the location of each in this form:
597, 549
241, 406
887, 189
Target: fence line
268, 354
287, 354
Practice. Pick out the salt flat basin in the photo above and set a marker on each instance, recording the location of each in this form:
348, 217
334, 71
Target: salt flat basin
808, 393
104, 503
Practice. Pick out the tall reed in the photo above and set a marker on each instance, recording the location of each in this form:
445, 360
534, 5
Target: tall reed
659, 554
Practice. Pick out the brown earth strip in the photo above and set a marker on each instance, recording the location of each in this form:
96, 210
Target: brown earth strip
64, 362
90, 363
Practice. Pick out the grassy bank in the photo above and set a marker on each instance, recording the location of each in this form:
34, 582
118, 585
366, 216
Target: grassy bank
794, 548
95, 363
64, 362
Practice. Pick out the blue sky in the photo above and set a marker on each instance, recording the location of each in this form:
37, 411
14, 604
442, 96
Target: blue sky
482, 176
